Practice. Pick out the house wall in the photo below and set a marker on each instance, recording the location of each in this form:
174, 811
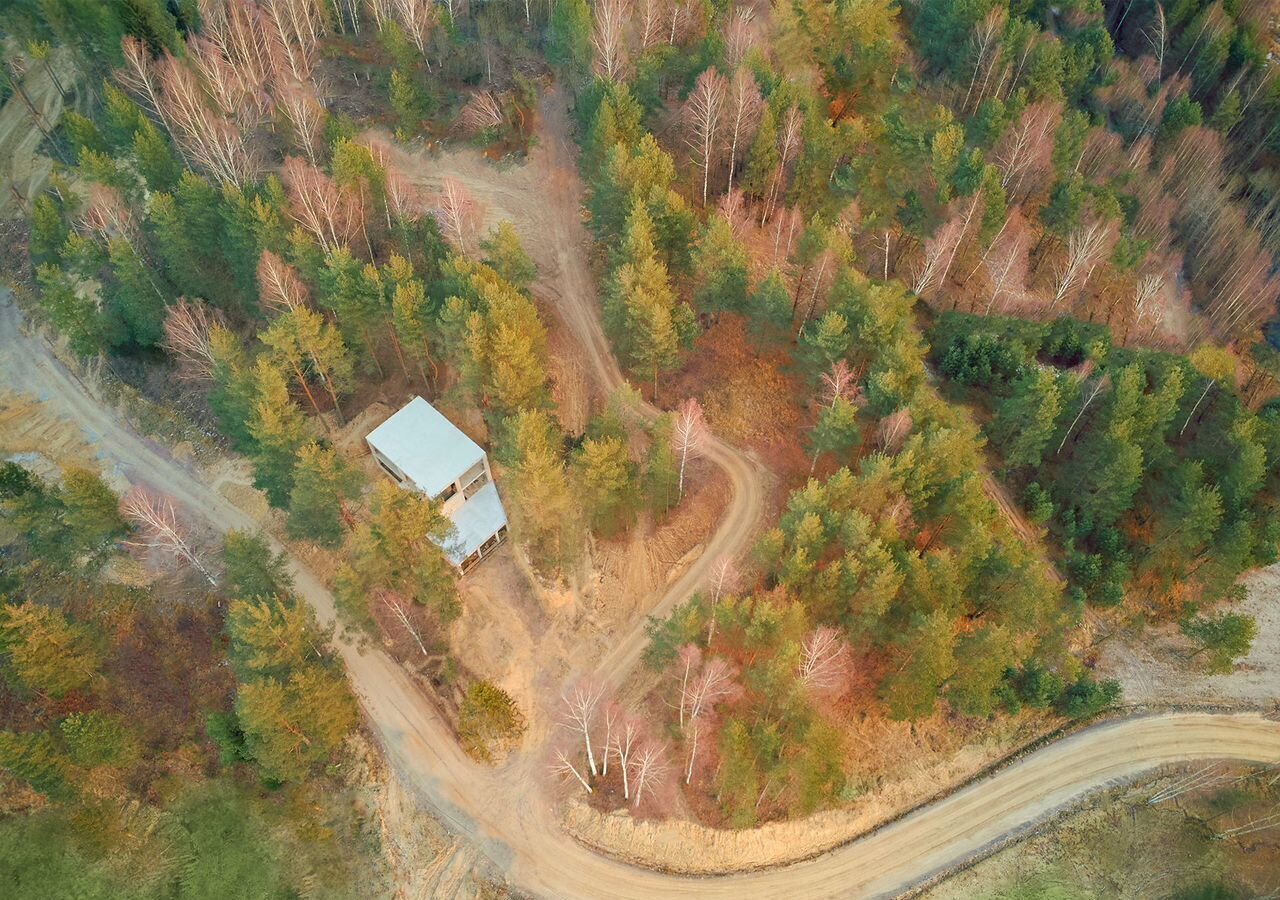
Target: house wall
388, 466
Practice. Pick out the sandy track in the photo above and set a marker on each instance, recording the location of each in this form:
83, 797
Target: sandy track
513, 822
543, 199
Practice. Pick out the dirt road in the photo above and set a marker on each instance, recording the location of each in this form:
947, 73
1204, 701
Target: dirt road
513, 822
543, 199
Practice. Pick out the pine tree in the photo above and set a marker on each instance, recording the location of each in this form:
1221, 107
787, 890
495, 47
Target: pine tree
720, 264
46, 651
279, 430
836, 430
91, 513
569, 38
544, 507
504, 253
75, 315
647, 322
251, 569
133, 295
1225, 637
303, 342
98, 739
508, 347
763, 159
769, 308
399, 548
824, 341
271, 636
323, 483
235, 392
410, 316
737, 777
121, 118
354, 291
410, 101
291, 727
35, 758
49, 231
911, 690
488, 719
607, 478
982, 658
1026, 420
157, 164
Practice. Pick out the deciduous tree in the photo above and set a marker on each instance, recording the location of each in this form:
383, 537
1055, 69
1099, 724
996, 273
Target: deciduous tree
158, 527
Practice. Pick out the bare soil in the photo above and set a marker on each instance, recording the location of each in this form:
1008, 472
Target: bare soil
1156, 666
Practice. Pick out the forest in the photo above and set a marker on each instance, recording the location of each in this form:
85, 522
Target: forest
163, 732
987, 287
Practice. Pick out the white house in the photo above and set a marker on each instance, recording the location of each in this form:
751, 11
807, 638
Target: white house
424, 451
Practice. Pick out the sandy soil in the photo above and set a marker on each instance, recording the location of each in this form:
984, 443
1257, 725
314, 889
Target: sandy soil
1155, 667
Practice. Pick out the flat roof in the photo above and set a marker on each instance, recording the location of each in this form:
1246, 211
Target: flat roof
474, 523
430, 450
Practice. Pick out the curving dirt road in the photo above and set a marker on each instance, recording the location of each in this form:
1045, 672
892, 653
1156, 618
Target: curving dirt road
504, 812
543, 200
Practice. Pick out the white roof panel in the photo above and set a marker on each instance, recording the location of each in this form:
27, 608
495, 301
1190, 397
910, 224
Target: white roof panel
474, 523
429, 449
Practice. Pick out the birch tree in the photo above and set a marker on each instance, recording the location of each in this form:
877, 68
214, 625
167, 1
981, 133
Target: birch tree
207, 139
418, 19
1146, 309
188, 328
702, 116
608, 38
789, 138
305, 116
1085, 247
394, 604
562, 764
688, 435
279, 285
739, 36
457, 213
724, 578
714, 684
330, 213
937, 250
625, 741
158, 528
650, 24
1006, 268
578, 715
649, 769
744, 105
824, 656
482, 112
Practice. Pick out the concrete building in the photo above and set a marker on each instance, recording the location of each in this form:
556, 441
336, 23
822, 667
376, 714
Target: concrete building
425, 452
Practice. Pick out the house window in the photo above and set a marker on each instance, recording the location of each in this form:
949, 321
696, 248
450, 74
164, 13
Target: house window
470, 561
448, 492
473, 488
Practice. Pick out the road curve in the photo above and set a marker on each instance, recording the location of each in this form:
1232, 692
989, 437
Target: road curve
509, 818
543, 200
514, 824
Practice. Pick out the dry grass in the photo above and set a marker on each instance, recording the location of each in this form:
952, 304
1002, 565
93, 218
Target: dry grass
746, 395
914, 764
